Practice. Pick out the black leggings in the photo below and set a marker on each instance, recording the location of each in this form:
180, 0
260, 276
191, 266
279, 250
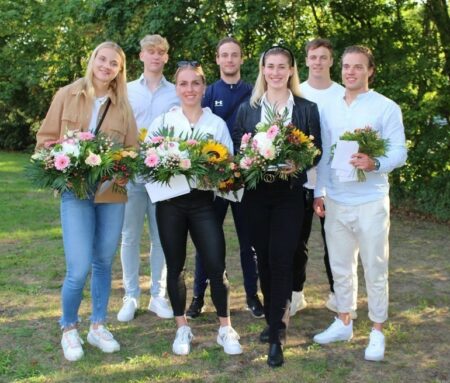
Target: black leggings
275, 212
193, 212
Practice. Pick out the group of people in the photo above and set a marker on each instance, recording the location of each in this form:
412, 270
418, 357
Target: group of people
273, 221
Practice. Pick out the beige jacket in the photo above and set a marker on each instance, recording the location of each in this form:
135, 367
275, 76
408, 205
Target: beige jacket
70, 109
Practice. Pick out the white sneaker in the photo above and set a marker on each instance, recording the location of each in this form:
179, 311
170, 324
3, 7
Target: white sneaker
161, 307
228, 338
331, 305
128, 309
337, 331
375, 349
71, 345
182, 343
102, 339
298, 302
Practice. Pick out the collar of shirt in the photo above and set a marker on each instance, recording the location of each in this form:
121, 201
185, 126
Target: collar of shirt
289, 106
143, 81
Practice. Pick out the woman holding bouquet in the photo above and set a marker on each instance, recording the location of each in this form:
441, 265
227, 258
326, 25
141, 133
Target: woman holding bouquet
274, 209
91, 231
194, 213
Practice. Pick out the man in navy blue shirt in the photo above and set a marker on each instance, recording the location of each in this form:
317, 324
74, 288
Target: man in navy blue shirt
224, 97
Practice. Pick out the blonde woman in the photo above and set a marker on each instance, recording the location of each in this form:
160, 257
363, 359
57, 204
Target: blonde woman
194, 213
91, 231
274, 210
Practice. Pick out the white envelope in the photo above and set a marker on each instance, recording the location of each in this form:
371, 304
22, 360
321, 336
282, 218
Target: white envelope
343, 154
178, 185
232, 196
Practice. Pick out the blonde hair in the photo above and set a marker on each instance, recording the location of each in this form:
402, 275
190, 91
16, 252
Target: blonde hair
118, 85
261, 85
191, 65
151, 41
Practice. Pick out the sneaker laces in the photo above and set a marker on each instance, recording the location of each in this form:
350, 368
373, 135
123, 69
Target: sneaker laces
230, 335
103, 333
73, 339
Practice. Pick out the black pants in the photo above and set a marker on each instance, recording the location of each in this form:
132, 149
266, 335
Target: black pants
193, 212
274, 212
301, 254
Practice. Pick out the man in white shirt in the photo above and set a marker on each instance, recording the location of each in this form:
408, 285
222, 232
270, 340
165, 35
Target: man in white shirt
150, 96
357, 213
320, 89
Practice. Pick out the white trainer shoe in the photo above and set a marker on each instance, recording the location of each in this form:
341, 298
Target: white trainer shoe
129, 307
298, 302
102, 339
161, 307
228, 338
375, 350
331, 305
71, 345
182, 343
336, 332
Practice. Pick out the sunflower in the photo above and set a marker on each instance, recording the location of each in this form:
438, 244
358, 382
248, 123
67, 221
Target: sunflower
215, 151
300, 136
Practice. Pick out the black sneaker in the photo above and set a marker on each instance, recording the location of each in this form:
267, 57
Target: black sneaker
255, 306
196, 308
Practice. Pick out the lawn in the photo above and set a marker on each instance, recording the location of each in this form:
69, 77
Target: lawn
32, 271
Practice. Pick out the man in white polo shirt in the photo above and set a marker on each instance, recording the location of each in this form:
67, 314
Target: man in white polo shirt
357, 213
150, 95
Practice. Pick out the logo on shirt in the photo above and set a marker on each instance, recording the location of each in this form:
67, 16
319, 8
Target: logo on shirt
218, 103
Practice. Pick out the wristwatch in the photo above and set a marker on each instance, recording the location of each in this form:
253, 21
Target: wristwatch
376, 164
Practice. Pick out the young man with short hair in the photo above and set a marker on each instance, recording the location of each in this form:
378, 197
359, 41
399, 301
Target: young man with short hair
357, 213
320, 89
224, 97
150, 96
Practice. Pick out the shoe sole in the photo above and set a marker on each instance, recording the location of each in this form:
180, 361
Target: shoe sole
377, 359
220, 343
332, 341
95, 344
181, 354
73, 359
159, 315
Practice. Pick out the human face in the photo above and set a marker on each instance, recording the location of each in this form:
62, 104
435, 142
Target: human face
356, 72
189, 87
107, 64
154, 59
229, 59
277, 71
319, 61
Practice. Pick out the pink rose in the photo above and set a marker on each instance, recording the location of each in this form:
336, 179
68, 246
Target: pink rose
192, 142
62, 162
246, 138
151, 160
246, 163
85, 136
93, 159
272, 132
185, 163
157, 139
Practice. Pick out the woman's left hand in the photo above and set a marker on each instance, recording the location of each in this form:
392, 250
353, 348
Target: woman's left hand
289, 169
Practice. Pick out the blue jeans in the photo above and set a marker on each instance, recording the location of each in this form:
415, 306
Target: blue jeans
139, 205
91, 235
248, 256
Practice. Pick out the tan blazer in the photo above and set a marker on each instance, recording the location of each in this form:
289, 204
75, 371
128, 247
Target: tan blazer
71, 110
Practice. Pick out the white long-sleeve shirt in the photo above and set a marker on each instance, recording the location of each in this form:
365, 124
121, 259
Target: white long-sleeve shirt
368, 109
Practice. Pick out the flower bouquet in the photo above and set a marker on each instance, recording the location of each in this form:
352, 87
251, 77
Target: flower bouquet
273, 148
78, 162
369, 142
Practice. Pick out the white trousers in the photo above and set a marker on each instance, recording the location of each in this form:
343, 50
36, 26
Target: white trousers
362, 229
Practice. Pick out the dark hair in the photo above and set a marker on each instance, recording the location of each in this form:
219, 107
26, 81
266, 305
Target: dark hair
317, 43
366, 52
227, 40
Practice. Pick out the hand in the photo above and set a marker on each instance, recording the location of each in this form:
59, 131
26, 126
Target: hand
363, 161
319, 206
122, 181
289, 169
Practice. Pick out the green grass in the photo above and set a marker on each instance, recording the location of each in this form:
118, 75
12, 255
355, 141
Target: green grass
32, 271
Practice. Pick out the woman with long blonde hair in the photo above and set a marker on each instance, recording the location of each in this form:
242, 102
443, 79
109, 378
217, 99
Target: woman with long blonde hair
91, 231
274, 210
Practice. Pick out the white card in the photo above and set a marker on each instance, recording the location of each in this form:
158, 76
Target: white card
343, 154
235, 196
178, 185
